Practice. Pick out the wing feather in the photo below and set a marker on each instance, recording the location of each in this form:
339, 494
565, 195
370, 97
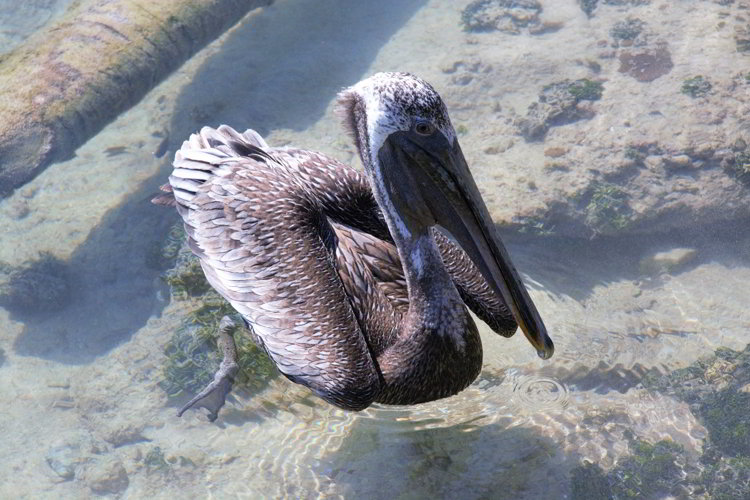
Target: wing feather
260, 244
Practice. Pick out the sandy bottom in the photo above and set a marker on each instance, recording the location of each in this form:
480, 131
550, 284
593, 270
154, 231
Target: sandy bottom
84, 414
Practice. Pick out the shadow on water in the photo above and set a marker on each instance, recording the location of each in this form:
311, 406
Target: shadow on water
450, 462
111, 286
265, 76
282, 67
574, 266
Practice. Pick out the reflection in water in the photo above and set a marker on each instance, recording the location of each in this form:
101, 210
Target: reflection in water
648, 385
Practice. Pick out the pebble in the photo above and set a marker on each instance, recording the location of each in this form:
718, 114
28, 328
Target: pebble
123, 434
18, 209
678, 161
555, 152
668, 261
63, 460
106, 475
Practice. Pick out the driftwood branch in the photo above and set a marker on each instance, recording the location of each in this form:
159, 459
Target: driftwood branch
70, 79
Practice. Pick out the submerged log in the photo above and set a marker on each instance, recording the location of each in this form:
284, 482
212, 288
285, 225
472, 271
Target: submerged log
66, 82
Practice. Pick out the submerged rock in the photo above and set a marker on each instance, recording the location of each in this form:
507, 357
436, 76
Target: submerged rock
646, 65
739, 166
508, 16
559, 104
667, 261
42, 286
105, 475
64, 459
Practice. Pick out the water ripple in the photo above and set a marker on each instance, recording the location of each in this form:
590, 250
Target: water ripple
535, 392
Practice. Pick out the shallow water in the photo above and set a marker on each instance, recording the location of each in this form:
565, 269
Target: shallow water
86, 412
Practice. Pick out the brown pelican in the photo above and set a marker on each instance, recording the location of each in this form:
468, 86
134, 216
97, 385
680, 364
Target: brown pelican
343, 278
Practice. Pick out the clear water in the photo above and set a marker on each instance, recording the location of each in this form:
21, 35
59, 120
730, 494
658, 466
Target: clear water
85, 412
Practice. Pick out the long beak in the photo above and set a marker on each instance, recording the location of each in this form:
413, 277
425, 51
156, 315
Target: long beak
452, 196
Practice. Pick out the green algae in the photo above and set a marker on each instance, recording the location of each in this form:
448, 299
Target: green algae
634, 154
536, 226
154, 459
716, 388
608, 210
157, 462
627, 29
589, 482
186, 278
651, 470
725, 479
192, 355
739, 166
585, 89
163, 255
558, 105
696, 86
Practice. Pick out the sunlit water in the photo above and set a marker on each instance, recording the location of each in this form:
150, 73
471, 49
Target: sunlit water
84, 411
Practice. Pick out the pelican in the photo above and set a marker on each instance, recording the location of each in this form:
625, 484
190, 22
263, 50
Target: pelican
349, 281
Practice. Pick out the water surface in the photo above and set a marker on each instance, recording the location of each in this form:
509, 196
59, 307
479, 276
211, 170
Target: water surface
86, 410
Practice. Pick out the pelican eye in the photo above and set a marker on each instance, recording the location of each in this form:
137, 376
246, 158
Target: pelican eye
424, 128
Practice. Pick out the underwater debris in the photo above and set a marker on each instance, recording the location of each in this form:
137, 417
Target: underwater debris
508, 16
558, 105
648, 65
42, 285
607, 210
696, 86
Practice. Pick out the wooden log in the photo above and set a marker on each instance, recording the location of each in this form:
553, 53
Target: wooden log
70, 79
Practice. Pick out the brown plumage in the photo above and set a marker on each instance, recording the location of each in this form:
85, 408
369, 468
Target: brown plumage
304, 248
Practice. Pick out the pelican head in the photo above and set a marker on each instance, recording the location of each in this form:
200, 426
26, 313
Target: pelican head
420, 177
